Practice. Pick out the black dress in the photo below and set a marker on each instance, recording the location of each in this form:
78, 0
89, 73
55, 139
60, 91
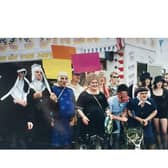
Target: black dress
15, 121
43, 110
162, 104
92, 110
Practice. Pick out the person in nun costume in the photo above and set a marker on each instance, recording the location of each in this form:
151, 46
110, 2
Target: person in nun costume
44, 105
19, 117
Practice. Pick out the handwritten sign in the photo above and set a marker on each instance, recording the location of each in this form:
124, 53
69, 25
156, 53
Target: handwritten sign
53, 66
62, 52
86, 62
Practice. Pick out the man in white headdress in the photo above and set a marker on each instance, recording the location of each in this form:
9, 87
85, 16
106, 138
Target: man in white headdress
43, 103
20, 117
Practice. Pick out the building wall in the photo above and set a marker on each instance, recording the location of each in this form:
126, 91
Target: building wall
151, 51
138, 52
13, 49
163, 53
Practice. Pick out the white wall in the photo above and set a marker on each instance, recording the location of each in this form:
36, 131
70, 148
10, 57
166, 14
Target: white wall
134, 54
162, 54
155, 70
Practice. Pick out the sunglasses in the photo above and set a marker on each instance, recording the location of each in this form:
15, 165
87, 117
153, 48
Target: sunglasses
64, 78
114, 76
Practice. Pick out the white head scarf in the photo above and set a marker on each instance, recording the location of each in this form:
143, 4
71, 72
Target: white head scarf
16, 83
37, 67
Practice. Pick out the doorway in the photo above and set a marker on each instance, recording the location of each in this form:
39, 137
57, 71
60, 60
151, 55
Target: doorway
141, 67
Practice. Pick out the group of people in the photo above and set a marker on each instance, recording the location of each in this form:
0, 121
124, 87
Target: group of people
141, 106
38, 114
64, 114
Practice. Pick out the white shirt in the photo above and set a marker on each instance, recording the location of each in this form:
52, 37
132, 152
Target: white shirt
77, 89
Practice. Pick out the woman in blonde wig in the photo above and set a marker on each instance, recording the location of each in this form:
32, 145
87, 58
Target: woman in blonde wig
92, 105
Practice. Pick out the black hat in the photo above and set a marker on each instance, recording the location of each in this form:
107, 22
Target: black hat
158, 79
144, 76
122, 87
141, 89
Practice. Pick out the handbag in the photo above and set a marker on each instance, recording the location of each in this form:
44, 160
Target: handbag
135, 137
108, 122
74, 120
108, 125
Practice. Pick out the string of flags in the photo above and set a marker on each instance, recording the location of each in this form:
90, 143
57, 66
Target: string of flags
118, 45
104, 46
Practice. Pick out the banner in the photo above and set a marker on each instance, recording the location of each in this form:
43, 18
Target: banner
53, 66
86, 62
62, 52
